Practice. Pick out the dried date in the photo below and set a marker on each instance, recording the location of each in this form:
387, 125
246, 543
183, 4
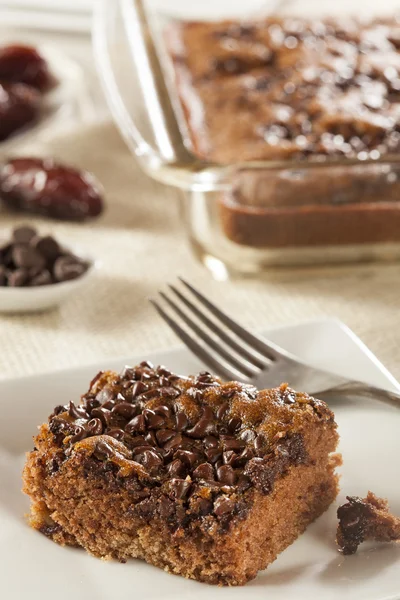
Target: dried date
19, 106
24, 64
47, 188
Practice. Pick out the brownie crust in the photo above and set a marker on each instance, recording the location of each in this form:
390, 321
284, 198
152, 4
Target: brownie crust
202, 479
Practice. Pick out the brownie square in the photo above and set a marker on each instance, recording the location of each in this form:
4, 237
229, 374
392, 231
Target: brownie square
201, 478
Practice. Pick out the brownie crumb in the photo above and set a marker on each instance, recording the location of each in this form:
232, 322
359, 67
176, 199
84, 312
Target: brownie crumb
362, 519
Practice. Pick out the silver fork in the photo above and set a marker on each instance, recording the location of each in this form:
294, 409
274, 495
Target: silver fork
233, 353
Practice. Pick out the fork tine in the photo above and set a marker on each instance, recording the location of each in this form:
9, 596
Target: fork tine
206, 357
239, 349
266, 349
239, 366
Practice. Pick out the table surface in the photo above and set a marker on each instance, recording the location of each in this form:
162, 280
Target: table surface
141, 244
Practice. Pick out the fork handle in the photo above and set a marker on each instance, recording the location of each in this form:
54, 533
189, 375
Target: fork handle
357, 388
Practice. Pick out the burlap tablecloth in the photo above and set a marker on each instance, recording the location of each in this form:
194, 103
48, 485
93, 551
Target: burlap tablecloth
141, 244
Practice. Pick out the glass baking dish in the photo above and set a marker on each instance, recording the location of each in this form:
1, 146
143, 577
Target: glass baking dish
243, 218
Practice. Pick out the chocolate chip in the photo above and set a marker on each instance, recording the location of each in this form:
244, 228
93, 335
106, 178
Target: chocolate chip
136, 425
47, 246
103, 414
222, 411
161, 370
180, 488
181, 421
231, 443
80, 434
234, 424
147, 363
42, 278
138, 388
151, 438
23, 234
223, 506
104, 450
210, 442
116, 433
109, 405
128, 373
163, 435
229, 458
95, 427
169, 392
150, 459
27, 257
142, 448
213, 454
218, 463
77, 412
154, 421
244, 457
138, 440
168, 455
68, 267
176, 469
243, 483
163, 410
18, 278
125, 410
174, 442
204, 471
204, 426
187, 457
226, 475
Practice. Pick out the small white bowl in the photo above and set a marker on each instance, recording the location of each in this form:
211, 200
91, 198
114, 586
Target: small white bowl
42, 297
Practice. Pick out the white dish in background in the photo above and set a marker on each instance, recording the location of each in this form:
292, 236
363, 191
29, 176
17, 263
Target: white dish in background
39, 298
68, 102
34, 567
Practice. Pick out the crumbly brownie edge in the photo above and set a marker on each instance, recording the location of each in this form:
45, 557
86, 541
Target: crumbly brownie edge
362, 519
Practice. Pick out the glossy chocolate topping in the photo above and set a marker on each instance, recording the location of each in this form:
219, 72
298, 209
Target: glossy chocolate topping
191, 440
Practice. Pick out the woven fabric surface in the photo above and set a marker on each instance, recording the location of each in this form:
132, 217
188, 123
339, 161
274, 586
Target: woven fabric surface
140, 243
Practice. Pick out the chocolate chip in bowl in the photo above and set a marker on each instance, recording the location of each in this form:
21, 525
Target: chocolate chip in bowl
37, 272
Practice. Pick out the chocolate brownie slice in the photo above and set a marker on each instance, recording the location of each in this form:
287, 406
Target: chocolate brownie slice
204, 479
362, 519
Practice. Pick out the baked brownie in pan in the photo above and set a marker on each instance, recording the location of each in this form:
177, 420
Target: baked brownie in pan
204, 479
296, 89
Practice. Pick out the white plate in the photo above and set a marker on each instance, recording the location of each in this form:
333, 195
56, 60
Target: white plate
33, 567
